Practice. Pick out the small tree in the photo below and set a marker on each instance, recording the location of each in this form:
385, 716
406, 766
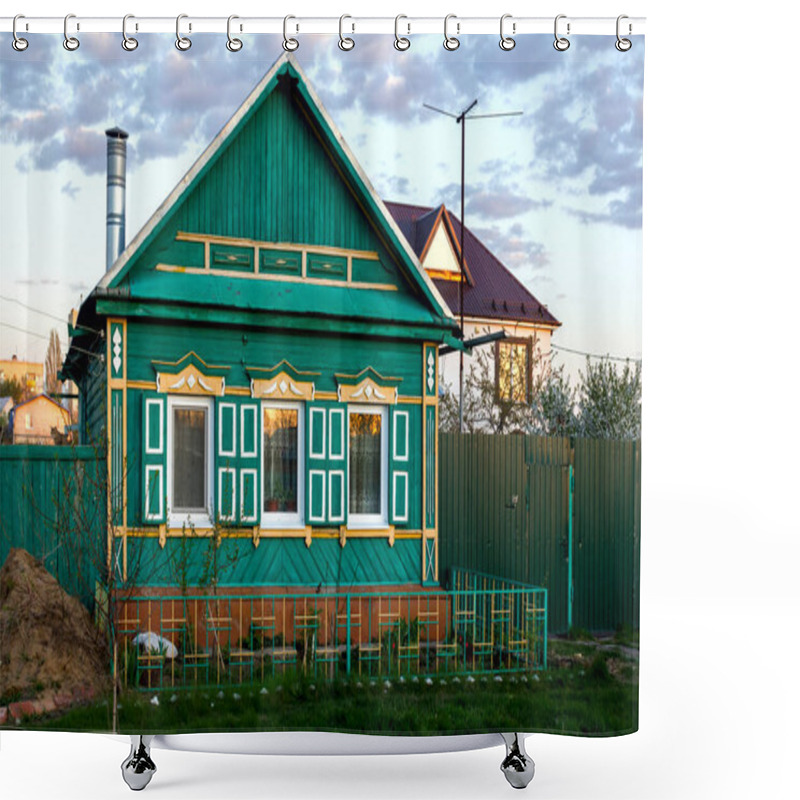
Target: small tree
610, 400
11, 387
606, 403
52, 364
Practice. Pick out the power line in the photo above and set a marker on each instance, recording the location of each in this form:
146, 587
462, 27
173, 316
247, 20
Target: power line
595, 355
22, 330
31, 308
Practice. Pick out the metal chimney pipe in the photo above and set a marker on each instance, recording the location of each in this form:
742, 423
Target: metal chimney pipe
115, 194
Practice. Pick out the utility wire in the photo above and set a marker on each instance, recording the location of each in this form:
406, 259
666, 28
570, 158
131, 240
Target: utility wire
31, 308
596, 355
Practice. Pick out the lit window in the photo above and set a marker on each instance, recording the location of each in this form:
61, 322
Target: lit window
368, 454
190, 460
513, 370
28, 422
282, 464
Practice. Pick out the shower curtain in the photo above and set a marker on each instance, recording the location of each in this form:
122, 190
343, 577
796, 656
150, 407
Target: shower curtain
321, 385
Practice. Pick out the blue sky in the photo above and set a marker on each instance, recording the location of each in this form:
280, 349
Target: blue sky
556, 193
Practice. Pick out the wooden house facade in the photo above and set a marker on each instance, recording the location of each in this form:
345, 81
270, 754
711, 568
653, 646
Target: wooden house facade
260, 365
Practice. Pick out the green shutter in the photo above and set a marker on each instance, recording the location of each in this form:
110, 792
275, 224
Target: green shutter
337, 464
249, 462
154, 458
400, 463
326, 464
226, 460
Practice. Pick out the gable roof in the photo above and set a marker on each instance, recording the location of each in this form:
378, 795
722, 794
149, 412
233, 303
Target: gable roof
491, 290
345, 162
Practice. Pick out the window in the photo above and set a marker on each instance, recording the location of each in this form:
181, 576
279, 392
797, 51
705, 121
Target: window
28, 422
282, 464
190, 461
513, 370
368, 468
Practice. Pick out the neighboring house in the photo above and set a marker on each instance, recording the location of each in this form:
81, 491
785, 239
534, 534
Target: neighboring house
29, 374
493, 298
267, 365
39, 420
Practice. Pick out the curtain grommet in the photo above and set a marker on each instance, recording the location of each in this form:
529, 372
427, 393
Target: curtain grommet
70, 43
18, 43
289, 44
451, 43
183, 43
233, 44
507, 43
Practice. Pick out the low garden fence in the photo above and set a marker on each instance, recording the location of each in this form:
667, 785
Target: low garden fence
480, 625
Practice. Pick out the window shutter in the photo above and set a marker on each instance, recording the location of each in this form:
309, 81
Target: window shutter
326, 464
337, 464
249, 462
316, 463
154, 458
400, 494
226, 462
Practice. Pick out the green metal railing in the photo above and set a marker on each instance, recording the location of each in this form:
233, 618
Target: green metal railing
480, 625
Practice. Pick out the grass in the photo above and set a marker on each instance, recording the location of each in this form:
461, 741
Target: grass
588, 691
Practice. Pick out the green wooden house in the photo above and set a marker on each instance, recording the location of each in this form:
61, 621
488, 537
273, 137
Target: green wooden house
260, 368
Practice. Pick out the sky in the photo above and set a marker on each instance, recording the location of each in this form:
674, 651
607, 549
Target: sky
555, 193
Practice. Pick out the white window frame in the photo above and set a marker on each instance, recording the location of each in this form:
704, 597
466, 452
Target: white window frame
200, 518
371, 520
285, 519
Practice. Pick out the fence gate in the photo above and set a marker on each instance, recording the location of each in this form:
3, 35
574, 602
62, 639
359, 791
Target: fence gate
549, 530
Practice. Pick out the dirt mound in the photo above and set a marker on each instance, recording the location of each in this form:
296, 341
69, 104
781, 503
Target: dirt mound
48, 642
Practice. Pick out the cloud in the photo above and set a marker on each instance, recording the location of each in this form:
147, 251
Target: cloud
514, 247
588, 135
70, 190
496, 204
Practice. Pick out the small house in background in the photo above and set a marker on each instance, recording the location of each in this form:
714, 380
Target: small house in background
28, 374
40, 420
493, 299
266, 365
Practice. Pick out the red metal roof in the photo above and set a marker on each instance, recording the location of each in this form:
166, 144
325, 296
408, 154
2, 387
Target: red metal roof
491, 290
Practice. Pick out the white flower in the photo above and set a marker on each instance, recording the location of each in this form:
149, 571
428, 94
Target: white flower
221, 695
154, 700
498, 678
237, 696
456, 679
429, 681
312, 688
387, 685
536, 677
524, 678
470, 679
359, 685
174, 698
264, 690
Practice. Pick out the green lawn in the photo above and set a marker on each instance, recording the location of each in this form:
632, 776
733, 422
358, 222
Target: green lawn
589, 689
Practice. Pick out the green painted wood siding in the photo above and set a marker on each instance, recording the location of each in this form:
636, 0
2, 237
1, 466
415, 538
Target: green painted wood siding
276, 562
319, 353
276, 181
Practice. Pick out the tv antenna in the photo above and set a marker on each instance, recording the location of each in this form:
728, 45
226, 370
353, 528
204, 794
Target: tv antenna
461, 120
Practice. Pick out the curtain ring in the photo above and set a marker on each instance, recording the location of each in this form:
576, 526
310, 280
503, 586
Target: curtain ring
623, 45
345, 42
451, 42
561, 43
507, 42
290, 45
233, 44
400, 42
183, 43
128, 42
18, 43
70, 42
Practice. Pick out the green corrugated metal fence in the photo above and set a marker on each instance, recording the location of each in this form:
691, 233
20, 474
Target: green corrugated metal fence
52, 504
506, 508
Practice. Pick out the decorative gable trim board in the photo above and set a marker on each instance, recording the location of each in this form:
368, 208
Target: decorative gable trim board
343, 159
369, 386
190, 376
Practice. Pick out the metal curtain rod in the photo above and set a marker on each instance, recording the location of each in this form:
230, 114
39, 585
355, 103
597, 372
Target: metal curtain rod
460, 26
